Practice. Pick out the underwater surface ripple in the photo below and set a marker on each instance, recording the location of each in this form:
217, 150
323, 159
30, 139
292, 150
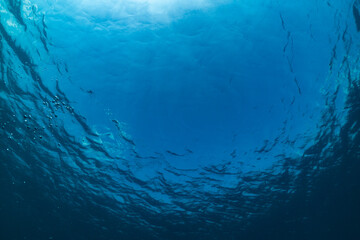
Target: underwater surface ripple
166, 120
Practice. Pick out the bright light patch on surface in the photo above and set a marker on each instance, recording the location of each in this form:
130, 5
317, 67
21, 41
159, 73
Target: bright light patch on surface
163, 10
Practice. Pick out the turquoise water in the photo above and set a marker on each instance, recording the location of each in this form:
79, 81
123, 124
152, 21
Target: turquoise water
166, 119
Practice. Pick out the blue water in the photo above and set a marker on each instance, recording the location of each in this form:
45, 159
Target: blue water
167, 119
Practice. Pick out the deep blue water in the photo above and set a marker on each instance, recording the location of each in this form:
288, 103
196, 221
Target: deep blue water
168, 119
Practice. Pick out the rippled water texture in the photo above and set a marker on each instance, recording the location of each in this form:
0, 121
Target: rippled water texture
168, 119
